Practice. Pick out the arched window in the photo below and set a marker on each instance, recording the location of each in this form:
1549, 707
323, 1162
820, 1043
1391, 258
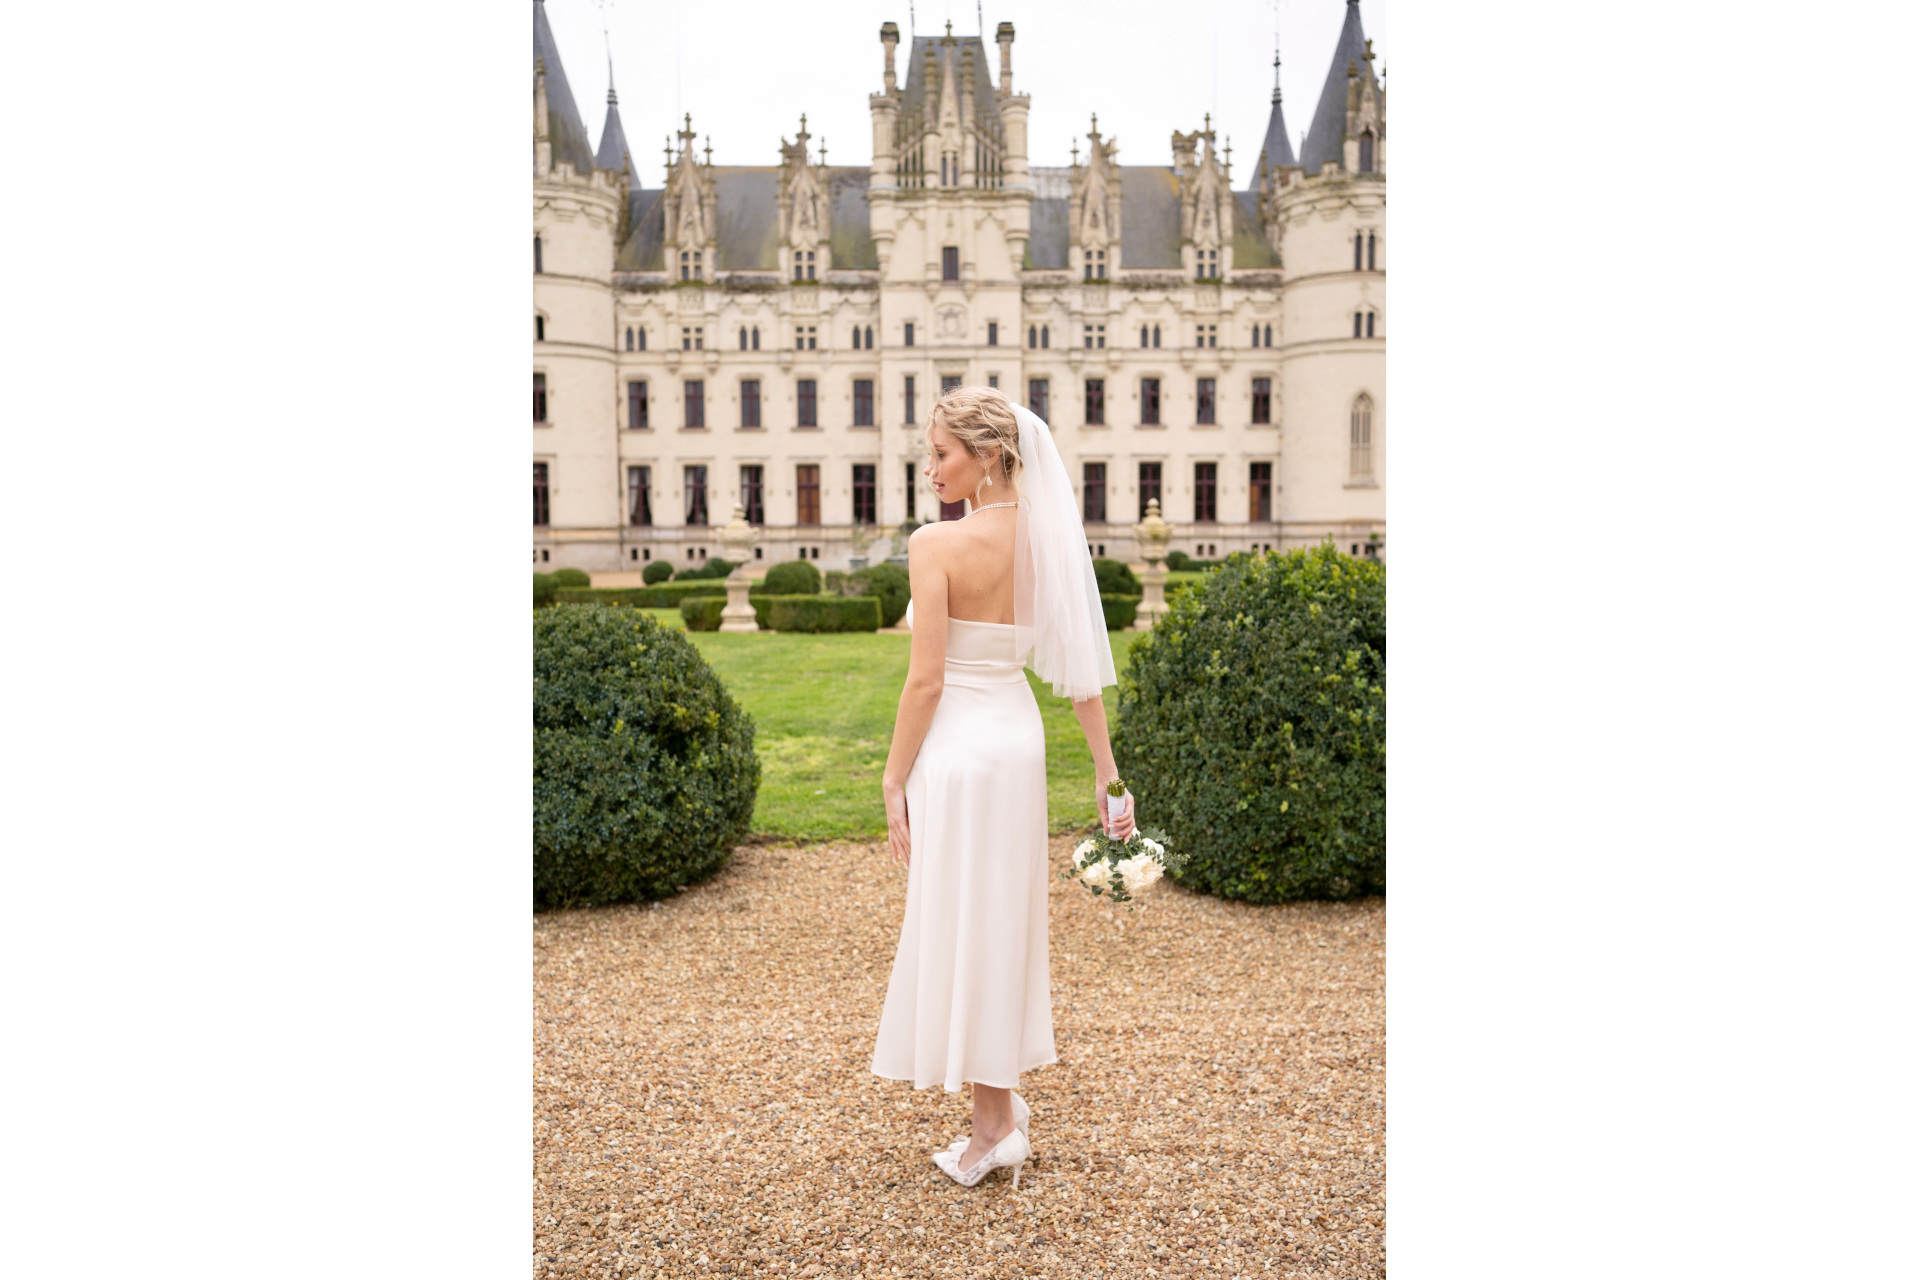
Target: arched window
1269, 341
642, 335
1360, 438
1356, 324
1358, 242
1366, 152
1043, 335
756, 337
1156, 335
1369, 250
869, 337
539, 328
1033, 336
743, 337
1369, 324
629, 337
1143, 335
537, 267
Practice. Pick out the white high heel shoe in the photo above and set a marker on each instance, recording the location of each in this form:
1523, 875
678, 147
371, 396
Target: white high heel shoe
1012, 1150
1021, 1115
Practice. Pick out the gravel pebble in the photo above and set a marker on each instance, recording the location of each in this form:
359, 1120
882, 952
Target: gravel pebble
703, 1107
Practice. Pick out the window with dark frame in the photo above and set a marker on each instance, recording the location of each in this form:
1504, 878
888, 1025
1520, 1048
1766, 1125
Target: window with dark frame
756, 338
1370, 251
1263, 401
743, 337
696, 397
1149, 486
1369, 324
539, 397
1366, 151
1203, 401
1156, 335
1356, 324
950, 263
1359, 243
993, 333
540, 508
806, 493
909, 333
750, 402
641, 334
1203, 492
908, 396
948, 383
869, 337
862, 402
912, 488
629, 337
1043, 336
1269, 337
809, 403
636, 406
539, 328
1260, 491
696, 486
1096, 402
538, 268
1033, 336
1149, 402
639, 495
865, 503
1093, 492
753, 493
1037, 397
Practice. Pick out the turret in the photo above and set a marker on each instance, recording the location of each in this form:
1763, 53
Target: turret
885, 110
1328, 136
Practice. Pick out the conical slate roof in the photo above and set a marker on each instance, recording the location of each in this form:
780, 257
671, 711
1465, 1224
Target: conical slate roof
564, 127
1277, 146
613, 153
1326, 136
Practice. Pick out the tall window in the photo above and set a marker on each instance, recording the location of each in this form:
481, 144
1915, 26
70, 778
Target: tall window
1149, 402
743, 337
1369, 250
1093, 492
1269, 337
1369, 324
993, 333
1037, 397
1360, 439
912, 488
538, 267
809, 403
1149, 486
641, 334
950, 263
1143, 335
750, 402
1259, 491
540, 510
639, 495
696, 485
865, 504
1203, 491
539, 397
1043, 336
629, 337
908, 395
862, 402
753, 494
806, 492
636, 406
1156, 335
909, 333
1033, 335
1356, 324
1096, 402
539, 328
1203, 401
696, 393
1366, 151
869, 337
1359, 246
755, 336
1263, 401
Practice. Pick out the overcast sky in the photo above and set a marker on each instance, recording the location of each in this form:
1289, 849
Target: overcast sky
746, 69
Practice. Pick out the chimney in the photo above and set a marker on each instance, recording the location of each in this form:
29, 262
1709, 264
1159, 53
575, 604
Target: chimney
890, 36
1004, 34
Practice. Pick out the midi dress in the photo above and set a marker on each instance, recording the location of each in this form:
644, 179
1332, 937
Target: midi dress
970, 997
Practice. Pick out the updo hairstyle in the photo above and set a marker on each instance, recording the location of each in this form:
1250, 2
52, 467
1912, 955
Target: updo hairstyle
980, 418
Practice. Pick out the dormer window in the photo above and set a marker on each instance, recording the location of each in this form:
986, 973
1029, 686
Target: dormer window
686, 267
1096, 264
1207, 264
1366, 152
803, 264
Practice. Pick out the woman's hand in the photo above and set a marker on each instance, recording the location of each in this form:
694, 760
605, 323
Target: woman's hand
899, 843
1119, 828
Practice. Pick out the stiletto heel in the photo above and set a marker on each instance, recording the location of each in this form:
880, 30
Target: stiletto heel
1016, 1174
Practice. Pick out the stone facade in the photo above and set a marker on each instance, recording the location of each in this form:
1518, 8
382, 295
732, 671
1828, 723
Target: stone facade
793, 323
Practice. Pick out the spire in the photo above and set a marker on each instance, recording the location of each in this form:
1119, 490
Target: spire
1326, 136
567, 130
1276, 146
613, 153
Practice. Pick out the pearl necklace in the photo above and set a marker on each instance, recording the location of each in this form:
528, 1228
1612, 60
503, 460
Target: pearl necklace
988, 507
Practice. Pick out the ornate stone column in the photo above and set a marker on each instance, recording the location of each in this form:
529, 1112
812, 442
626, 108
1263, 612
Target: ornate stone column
1153, 533
737, 539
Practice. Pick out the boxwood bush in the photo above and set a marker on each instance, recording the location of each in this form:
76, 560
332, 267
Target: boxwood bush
572, 577
887, 583
644, 773
544, 587
1115, 578
792, 578
664, 596
1252, 724
814, 614
1120, 610
657, 571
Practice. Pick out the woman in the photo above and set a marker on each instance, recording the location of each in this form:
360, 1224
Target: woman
966, 779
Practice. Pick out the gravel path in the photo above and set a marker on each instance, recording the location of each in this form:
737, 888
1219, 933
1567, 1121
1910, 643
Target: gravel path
702, 1104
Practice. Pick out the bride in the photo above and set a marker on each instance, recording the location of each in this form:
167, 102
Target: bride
966, 779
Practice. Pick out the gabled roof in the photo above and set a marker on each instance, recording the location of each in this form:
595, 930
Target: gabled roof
1326, 136
748, 229
565, 129
923, 79
614, 152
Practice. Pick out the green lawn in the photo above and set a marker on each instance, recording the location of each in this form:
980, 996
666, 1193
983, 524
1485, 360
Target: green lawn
823, 707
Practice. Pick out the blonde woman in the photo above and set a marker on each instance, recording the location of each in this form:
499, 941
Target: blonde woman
965, 786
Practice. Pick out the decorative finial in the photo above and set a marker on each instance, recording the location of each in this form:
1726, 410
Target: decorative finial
669, 150
709, 151
1076, 152
949, 28
1369, 51
1276, 70
1208, 126
1096, 122
803, 124
823, 151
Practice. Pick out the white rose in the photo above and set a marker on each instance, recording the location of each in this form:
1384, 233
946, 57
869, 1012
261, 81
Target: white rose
1080, 852
1154, 846
1096, 873
1138, 872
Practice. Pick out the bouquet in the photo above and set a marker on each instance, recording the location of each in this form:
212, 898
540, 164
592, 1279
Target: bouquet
1118, 869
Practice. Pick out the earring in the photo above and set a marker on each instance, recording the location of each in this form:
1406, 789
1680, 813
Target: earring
989, 479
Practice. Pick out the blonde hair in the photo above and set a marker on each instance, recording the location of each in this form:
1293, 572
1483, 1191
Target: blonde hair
980, 418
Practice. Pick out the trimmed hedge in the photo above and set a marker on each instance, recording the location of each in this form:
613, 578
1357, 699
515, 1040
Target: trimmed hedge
888, 583
1120, 610
792, 578
657, 571
665, 596
1182, 562
572, 577
544, 589
712, 568
1252, 720
644, 774
1115, 578
811, 614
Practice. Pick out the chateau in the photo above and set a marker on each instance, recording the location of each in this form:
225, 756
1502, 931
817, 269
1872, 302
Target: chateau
774, 336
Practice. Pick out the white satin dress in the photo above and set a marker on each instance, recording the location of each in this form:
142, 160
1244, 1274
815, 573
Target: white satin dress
970, 998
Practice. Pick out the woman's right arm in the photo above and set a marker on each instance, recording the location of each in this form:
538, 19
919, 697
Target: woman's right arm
1093, 723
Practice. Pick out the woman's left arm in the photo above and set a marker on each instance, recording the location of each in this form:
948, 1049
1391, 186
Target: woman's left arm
926, 679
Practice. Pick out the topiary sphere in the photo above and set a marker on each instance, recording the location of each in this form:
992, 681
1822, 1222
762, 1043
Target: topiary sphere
1252, 724
1115, 578
656, 572
572, 577
889, 584
644, 774
792, 578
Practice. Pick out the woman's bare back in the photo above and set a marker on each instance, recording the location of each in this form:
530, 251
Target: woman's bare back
979, 564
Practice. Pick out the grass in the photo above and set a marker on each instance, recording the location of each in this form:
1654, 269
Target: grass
823, 707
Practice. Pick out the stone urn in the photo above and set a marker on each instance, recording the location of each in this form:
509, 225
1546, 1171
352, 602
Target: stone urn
1153, 534
736, 541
